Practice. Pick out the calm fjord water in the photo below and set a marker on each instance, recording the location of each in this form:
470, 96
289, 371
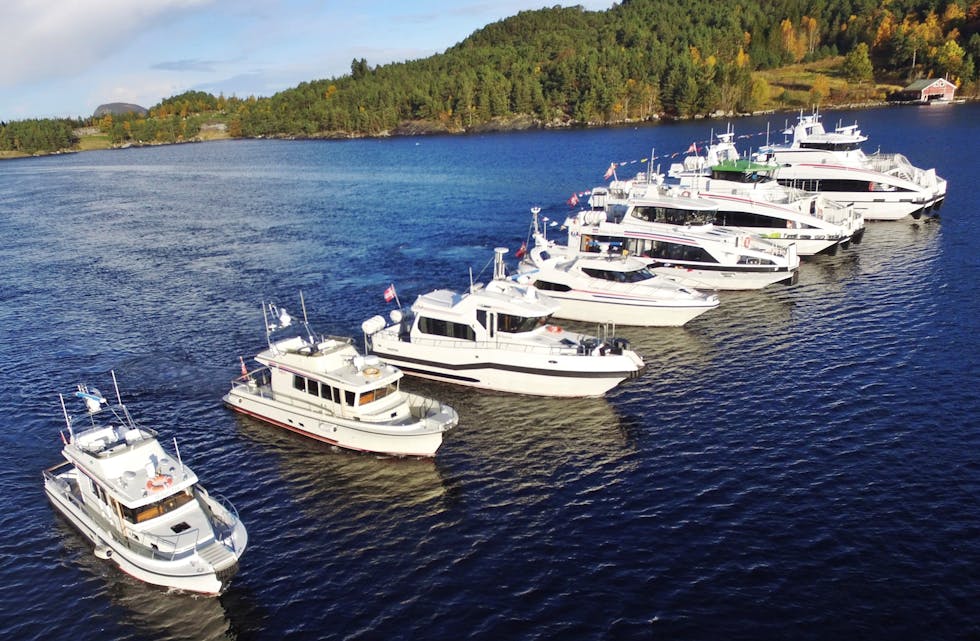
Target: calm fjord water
799, 463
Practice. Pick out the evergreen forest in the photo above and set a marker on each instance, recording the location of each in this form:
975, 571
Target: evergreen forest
637, 61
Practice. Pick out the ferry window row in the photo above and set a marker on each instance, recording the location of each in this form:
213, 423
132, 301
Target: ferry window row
660, 250
836, 185
674, 216
634, 276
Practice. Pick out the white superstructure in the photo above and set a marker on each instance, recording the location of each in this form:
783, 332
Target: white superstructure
608, 287
142, 507
750, 200
646, 220
880, 186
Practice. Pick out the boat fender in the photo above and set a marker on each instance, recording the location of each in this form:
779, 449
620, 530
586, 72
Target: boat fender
686, 194
747, 242
371, 371
554, 329
159, 482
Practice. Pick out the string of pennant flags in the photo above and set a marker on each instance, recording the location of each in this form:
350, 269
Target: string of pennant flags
694, 148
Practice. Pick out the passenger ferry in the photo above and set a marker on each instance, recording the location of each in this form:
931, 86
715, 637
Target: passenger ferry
880, 186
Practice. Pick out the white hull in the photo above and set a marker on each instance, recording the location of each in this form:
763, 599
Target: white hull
412, 438
190, 573
520, 371
721, 279
625, 312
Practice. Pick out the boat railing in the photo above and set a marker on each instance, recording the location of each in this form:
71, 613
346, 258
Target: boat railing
224, 517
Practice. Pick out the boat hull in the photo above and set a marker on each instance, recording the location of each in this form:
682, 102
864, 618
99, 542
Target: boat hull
624, 312
420, 438
190, 573
546, 375
722, 279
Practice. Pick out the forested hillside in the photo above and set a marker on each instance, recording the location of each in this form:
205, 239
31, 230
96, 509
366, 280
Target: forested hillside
639, 60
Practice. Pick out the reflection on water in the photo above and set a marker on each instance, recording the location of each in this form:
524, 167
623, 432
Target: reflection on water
148, 611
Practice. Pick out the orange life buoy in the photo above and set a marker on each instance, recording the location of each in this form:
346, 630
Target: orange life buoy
686, 194
554, 329
371, 371
746, 242
159, 482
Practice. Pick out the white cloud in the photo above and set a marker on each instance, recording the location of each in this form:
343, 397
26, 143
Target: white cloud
50, 39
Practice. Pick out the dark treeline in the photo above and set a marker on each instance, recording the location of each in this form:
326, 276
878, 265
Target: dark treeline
639, 60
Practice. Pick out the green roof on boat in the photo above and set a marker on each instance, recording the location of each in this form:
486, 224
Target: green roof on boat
741, 166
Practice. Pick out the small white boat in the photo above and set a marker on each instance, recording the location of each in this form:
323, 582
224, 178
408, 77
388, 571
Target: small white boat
498, 337
750, 200
323, 388
880, 186
141, 507
608, 287
699, 256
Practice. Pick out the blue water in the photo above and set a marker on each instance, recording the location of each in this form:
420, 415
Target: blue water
800, 463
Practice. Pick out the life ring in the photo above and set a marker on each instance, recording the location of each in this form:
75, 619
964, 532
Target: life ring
159, 482
746, 242
371, 371
554, 329
686, 194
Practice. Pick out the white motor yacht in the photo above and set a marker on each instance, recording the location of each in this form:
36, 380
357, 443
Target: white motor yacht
499, 336
643, 221
880, 186
750, 200
323, 388
142, 507
608, 287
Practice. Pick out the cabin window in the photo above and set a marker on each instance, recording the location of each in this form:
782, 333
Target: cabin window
349, 397
481, 317
439, 327
312, 387
551, 287
329, 393
376, 394
673, 216
518, 324
153, 510
299, 382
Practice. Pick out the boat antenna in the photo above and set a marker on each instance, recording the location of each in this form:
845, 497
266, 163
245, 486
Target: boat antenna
306, 322
115, 384
64, 410
471, 279
179, 461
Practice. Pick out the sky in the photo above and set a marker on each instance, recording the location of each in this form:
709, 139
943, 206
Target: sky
63, 58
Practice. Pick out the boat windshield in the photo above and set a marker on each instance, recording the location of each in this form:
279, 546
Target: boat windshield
633, 276
674, 216
377, 394
153, 510
518, 324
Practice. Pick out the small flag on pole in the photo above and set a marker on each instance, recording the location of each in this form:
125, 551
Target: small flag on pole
520, 252
573, 200
390, 293
244, 369
610, 172
693, 149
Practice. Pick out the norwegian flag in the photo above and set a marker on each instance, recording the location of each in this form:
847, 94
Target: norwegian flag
573, 200
390, 293
520, 252
693, 149
610, 172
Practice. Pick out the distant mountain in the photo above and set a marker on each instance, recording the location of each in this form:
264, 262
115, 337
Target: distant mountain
119, 108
